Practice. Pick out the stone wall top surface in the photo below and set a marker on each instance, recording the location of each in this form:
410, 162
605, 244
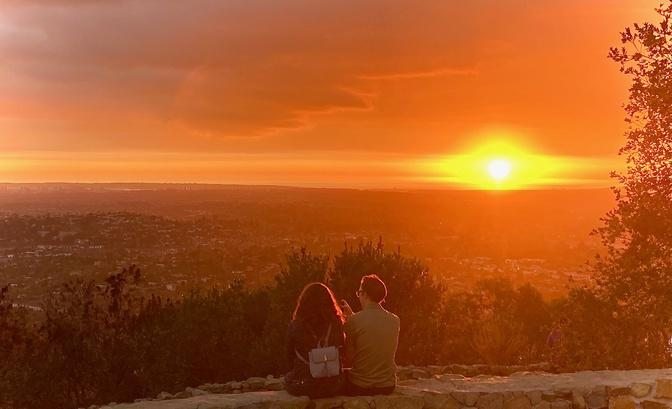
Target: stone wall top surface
641, 389
530, 381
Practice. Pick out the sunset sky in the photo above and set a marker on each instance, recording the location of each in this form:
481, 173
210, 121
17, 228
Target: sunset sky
315, 93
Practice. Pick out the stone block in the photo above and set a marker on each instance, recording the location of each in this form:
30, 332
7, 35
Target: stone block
436, 369
328, 403
164, 396
619, 391
521, 402
419, 374
356, 403
398, 402
621, 402
466, 398
490, 401
548, 396
640, 390
439, 401
274, 385
651, 404
664, 388
183, 395
561, 404
596, 399
195, 392
534, 397
542, 405
451, 377
256, 383
578, 401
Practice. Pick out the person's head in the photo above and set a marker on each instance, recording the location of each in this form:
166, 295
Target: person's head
317, 306
372, 290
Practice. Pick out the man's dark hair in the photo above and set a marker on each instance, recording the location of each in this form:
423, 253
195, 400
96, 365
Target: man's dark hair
374, 288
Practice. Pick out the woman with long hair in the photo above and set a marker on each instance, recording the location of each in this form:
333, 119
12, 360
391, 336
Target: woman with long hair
317, 322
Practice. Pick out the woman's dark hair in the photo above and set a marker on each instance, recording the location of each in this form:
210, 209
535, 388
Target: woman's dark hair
317, 307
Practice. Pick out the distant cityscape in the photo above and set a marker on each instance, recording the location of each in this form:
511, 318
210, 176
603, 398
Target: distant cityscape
191, 237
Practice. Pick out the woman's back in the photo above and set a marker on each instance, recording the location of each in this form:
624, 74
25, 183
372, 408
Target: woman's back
317, 322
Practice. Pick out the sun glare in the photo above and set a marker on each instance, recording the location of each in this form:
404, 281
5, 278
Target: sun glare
499, 169
501, 163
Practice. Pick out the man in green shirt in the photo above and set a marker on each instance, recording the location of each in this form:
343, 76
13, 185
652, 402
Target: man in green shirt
371, 338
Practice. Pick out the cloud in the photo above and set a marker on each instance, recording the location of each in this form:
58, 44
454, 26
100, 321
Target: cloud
249, 75
441, 72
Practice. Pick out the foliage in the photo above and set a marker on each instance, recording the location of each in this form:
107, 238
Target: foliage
634, 278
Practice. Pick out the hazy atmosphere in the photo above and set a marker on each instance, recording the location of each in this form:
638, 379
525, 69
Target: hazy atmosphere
366, 94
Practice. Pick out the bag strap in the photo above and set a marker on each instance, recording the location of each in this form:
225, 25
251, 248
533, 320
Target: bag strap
326, 338
298, 355
319, 345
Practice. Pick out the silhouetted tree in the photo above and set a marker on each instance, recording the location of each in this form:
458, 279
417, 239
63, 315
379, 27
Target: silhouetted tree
635, 275
412, 294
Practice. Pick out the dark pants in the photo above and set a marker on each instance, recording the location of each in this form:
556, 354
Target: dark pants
350, 389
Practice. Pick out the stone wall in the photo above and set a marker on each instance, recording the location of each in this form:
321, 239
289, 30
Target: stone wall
645, 389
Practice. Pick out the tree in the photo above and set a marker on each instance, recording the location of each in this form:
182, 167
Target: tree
635, 275
412, 294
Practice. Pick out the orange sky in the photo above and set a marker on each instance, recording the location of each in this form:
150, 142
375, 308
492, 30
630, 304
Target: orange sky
324, 93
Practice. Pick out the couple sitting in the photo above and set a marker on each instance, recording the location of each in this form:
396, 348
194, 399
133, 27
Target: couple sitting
323, 338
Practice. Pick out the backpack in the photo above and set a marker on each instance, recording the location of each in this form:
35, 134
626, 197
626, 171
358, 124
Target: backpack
323, 361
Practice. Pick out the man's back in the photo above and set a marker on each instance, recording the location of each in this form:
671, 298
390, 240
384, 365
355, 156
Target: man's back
372, 336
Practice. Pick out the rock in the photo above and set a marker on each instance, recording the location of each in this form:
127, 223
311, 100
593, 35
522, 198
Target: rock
542, 405
182, 395
564, 393
398, 402
235, 385
459, 369
650, 404
256, 383
548, 396
195, 392
597, 399
521, 402
490, 401
640, 390
164, 396
274, 384
356, 403
620, 391
561, 404
403, 373
217, 388
534, 397
451, 377
479, 369
328, 403
621, 402
578, 401
246, 386
419, 374
466, 398
93, 407
664, 388
436, 369
439, 401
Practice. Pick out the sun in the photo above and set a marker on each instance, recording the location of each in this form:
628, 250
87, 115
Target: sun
499, 169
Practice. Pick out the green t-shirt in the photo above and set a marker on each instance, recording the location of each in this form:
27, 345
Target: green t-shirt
371, 338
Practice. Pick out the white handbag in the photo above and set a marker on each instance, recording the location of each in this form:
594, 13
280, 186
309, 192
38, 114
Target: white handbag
323, 361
